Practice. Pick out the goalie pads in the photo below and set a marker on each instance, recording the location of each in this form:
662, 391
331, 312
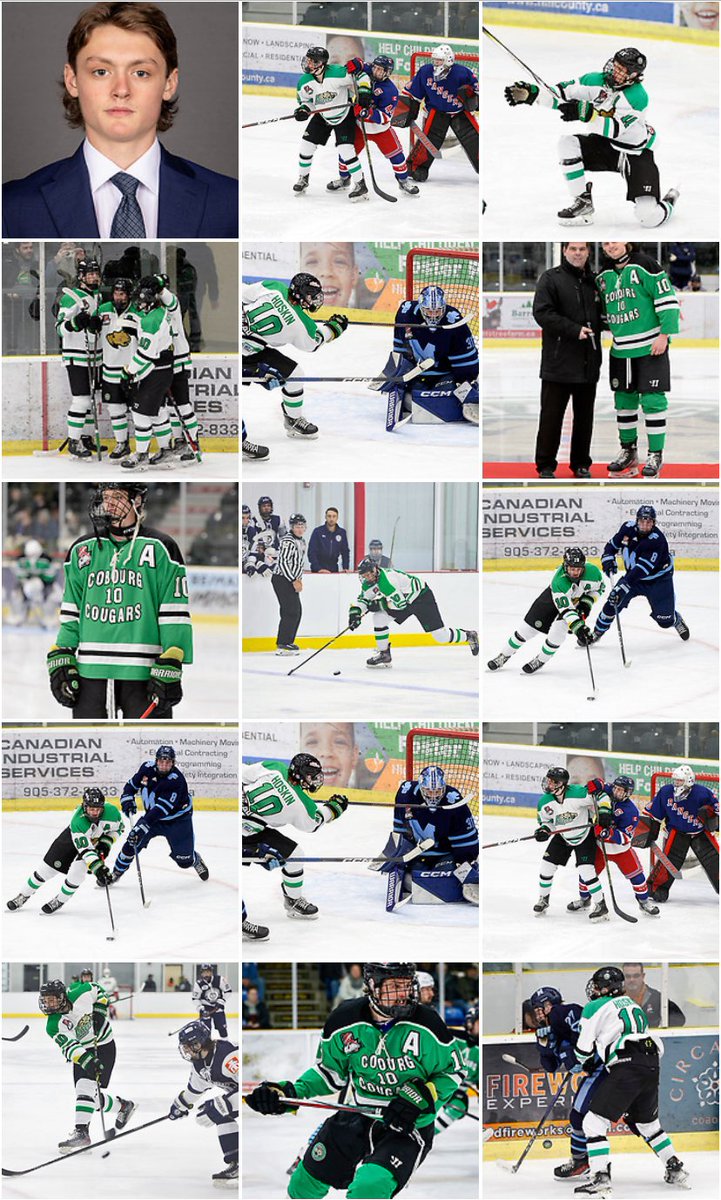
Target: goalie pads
436, 403
437, 885
467, 873
406, 111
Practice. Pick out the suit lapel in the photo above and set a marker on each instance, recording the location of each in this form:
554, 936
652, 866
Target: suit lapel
182, 198
69, 199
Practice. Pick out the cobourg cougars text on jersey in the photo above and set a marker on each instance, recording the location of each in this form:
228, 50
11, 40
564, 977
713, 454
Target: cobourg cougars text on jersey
124, 604
639, 303
274, 801
73, 1032
621, 111
274, 321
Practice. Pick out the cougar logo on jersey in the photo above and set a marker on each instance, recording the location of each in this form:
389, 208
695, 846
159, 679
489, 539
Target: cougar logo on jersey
84, 557
350, 1043
118, 340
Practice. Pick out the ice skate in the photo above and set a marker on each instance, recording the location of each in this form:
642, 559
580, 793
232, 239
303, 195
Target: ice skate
653, 464
359, 192
255, 933
290, 648
182, 450
580, 212
127, 1108
575, 1168
407, 186
649, 908
253, 451
122, 450
338, 185
163, 457
136, 462
541, 905
227, 1178
676, 1175
200, 867
578, 905
670, 198
681, 627
298, 906
598, 1185
301, 185
17, 902
89, 444
298, 426
77, 449
495, 664
472, 638
78, 1139
534, 665
599, 912
626, 463
381, 659
52, 905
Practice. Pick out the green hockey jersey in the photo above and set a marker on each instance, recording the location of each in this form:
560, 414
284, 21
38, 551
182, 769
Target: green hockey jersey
269, 319
124, 603
75, 342
270, 799
567, 593
335, 91
639, 303
35, 568
394, 591
73, 1032
88, 836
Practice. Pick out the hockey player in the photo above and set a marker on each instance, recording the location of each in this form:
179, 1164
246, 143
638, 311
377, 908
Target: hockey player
375, 119
179, 404
649, 572
616, 830
690, 813
429, 328
118, 343
149, 375
249, 530
214, 1066
467, 1046
125, 628
274, 795
449, 91
614, 1029
78, 1024
253, 932
617, 100
375, 553
278, 315
168, 813
34, 601
210, 997
338, 92
565, 819
80, 849
269, 520
397, 595
77, 325
262, 556
642, 312
357, 1152
562, 608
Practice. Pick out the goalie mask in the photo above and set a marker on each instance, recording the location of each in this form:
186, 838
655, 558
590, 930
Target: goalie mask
392, 989
432, 785
683, 780
442, 59
112, 504
432, 303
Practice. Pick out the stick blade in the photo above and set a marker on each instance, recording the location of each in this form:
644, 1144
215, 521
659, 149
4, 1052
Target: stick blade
505, 1165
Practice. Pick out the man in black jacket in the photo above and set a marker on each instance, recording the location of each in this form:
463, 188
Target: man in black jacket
567, 307
328, 546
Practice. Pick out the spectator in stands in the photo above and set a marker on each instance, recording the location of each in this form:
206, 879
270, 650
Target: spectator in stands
648, 998
183, 985
696, 284
426, 988
681, 263
21, 309
255, 1011
351, 986
330, 975
149, 984
462, 984
328, 546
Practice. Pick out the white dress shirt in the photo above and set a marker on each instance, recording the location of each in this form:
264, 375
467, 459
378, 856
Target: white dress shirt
107, 198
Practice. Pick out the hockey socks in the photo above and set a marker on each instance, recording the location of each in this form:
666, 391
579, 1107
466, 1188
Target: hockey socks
654, 406
78, 417
304, 1186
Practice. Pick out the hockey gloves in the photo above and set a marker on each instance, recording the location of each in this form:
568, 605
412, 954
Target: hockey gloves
128, 805
708, 817
618, 594
337, 805
337, 324
584, 635
646, 832
103, 877
468, 97
265, 1099
302, 113
520, 93
215, 1112
179, 1108
164, 684
355, 616
542, 834
99, 1020
64, 676
608, 564
576, 110
413, 1100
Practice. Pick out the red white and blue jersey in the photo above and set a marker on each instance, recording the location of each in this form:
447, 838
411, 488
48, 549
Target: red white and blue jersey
625, 819
682, 814
560, 1033
450, 344
450, 824
645, 556
441, 94
385, 98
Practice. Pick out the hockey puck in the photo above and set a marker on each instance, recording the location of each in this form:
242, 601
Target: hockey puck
548, 1144
336, 672
105, 1154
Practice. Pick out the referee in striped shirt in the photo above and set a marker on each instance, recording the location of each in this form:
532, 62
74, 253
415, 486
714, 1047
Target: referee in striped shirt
288, 584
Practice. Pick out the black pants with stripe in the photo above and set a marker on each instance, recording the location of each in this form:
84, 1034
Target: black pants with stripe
346, 1140
291, 610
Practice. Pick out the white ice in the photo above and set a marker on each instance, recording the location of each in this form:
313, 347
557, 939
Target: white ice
51, 466
361, 915
270, 1145
667, 680
510, 889
523, 184
174, 1159
210, 691
183, 909
435, 682
446, 207
635, 1176
353, 442
511, 405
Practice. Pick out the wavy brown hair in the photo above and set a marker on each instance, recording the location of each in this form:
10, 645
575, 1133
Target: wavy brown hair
135, 18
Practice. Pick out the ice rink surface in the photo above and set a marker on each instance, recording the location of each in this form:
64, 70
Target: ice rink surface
353, 442
21, 467
521, 144
667, 680
210, 684
361, 916
175, 1159
635, 1176
184, 911
446, 207
689, 918
511, 406
432, 682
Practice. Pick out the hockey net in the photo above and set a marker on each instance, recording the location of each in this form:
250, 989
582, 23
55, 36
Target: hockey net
455, 751
456, 271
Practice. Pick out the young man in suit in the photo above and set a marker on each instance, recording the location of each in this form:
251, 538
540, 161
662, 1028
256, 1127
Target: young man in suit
121, 78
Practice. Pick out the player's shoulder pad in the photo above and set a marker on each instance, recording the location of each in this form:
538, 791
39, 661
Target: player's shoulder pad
640, 258
636, 96
155, 535
229, 1057
86, 539
433, 1022
350, 1012
453, 796
590, 79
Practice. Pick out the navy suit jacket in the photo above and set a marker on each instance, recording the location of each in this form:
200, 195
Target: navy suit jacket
56, 201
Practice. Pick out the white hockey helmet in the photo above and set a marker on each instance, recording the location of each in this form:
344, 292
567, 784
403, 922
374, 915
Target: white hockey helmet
683, 779
443, 59
425, 980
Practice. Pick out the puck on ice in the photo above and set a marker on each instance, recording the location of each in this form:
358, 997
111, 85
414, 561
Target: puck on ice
336, 672
547, 1145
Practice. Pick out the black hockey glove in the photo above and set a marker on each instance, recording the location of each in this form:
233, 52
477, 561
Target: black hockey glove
95, 324
583, 606
164, 684
542, 834
103, 877
609, 566
128, 805
708, 817
468, 97
520, 93
584, 635
618, 594
87, 1061
99, 1019
355, 616
79, 322
265, 1099
337, 324
413, 1100
605, 818
365, 97
64, 676
647, 832
152, 283
406, 111
302, 113
576, 110
138, 831
337, 805
589, 1065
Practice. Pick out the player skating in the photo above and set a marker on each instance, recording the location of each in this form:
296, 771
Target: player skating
118, 334
78, 325
449, 91
168, 813
617, 101
649, 572
149, 374
214, 1066
690, 813
210, 997
396, 595
358, 1153
253, 932
642, 312
615, 1030
333, 88
35, 599
78, 1024
617, 836
277, 314
375, 118
274, 795
563, 607
565, 818
80, 849
468, 1048
125, 628
447, 390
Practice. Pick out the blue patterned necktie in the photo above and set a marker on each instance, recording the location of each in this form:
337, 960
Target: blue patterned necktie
128, 220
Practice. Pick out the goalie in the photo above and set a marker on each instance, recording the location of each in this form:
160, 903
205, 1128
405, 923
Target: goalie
433, 335
449, 91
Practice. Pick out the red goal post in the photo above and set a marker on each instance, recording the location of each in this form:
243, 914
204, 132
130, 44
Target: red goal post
456, 271
455, 751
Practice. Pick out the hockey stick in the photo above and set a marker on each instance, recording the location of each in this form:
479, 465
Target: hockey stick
106, 1153
110, 937
146, 903
419, 368
291, 116
371, 171
421, 848
144, 716
424, 140
619, 911
513, 1167
527, 837
92, 375
366, 1109
626, 662
520, 61
510, 1059
54, 453
590, 667
325, 647
84, 1149
186, 432
17, 1037
661, 856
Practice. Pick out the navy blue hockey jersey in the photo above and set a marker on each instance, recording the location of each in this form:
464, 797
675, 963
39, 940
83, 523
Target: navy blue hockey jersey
561, 1034
682, 814
450, 345
451, 824
441, 93
165, 797
645, 556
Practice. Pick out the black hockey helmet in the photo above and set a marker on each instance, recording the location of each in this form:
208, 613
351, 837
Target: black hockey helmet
111, 502
315, 55
205, 967
625, 782
306, 291
645, 512
633, 60
368, 566
125, 285
296, 519
265, 502
87, 266
145, 298
194, 1041
469, 1021
557, 775
606, 981
545, 995
86, 971
92, 798
375, 975
165, 751
54, 990
246, 510
306, 771
573, 557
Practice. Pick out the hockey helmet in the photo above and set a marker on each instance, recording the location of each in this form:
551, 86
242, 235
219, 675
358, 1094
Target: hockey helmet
93, 799
306, 291
194, 1041
306, 772
432, 785
634, 63
606, 981
557, 776
377, 977
53, 991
